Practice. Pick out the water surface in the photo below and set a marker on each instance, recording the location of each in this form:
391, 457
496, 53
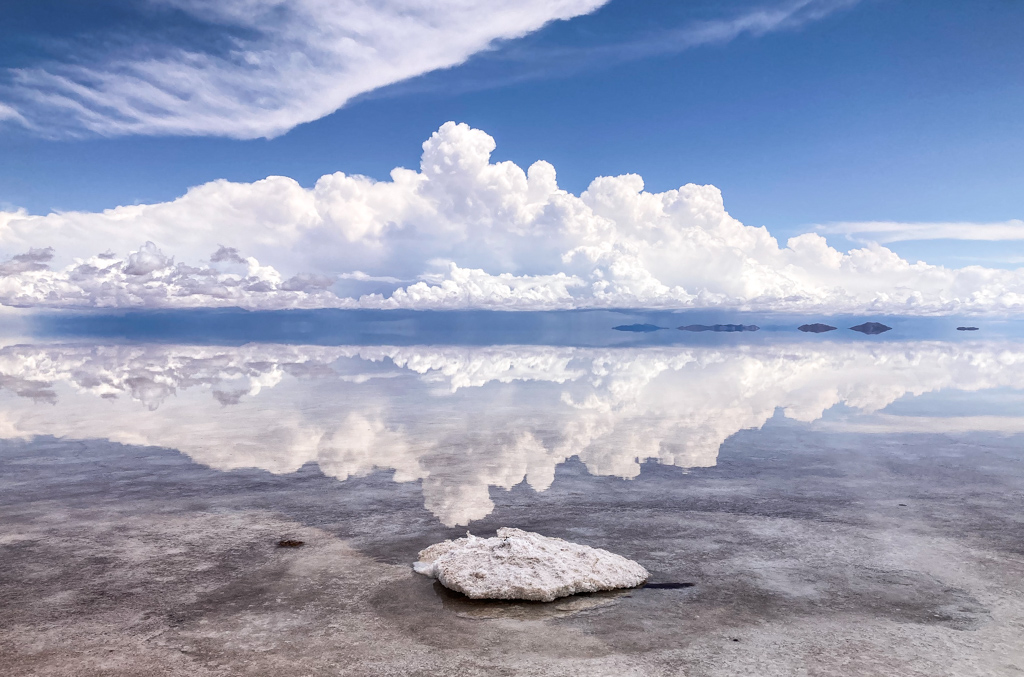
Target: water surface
826, 501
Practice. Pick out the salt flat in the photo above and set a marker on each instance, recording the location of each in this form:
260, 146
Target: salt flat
810, 552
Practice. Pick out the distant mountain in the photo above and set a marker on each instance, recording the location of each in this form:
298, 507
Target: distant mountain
871, 328
638, 327
816, 328
720, 327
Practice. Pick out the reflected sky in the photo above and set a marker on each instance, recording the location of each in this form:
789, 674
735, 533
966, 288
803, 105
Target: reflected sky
462, 420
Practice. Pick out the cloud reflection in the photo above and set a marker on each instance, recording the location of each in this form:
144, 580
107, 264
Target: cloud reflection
463, 419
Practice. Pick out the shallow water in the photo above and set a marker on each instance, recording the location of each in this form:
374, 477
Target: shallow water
823, 504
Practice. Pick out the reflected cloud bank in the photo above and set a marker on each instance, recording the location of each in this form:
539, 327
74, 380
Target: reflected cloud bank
462, 420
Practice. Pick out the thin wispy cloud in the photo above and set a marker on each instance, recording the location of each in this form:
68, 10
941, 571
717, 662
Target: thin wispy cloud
751, 21
895, 231
755, 22
288, 62
528, 60
934, 425
8, 113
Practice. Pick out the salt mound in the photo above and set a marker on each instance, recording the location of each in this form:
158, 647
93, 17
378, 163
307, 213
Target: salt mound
519, 564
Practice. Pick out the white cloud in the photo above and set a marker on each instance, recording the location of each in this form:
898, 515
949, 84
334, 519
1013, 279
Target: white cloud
522, 410
291, 61
520, 62
761, 21
8, 113
476, 234
148, 278
894, 231
934, 425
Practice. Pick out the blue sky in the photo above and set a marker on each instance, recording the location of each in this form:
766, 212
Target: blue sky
845, 111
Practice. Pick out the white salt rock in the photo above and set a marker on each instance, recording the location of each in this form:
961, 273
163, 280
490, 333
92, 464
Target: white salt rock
519, 564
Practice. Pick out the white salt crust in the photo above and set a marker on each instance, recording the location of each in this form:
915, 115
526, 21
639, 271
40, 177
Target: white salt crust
519, 564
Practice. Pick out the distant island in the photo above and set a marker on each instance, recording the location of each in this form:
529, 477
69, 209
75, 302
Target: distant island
720, 327
816, 328
967, 329
871, 328
638, 327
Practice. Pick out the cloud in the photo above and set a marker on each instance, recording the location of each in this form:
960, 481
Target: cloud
474, 234
147, 278
288, 62
757, 22
32, 260
529, 60
8, 113
934, 425
894, 231
523, 410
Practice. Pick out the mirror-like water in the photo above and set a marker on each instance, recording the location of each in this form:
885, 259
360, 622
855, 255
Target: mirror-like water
793, 499
462, 420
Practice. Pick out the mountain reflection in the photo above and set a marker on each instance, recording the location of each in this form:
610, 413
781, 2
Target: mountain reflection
460, 419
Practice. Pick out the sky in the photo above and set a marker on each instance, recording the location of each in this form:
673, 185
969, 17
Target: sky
890, 128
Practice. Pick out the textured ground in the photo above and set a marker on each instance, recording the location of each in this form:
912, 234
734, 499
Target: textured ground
810, 554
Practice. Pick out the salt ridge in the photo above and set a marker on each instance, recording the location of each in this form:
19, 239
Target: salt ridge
519, 564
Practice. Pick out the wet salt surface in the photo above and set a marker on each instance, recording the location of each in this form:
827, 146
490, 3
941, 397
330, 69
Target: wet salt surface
841, 508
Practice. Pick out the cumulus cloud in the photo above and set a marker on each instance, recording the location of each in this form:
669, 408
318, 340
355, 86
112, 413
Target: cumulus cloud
148, 278
473, 234
523, 410
32, 260
287, 62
